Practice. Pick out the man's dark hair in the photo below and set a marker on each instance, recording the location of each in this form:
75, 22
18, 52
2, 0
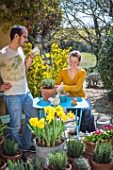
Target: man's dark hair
16, 30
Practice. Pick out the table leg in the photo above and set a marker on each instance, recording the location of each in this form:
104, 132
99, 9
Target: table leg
42, 115
78, 122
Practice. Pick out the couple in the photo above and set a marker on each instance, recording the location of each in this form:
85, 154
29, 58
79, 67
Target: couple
13, 66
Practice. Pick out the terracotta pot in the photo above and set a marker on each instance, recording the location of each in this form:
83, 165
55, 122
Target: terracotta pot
3, 167
100, 166
70, 159
69, 167
89, 147
46, 93
14, 158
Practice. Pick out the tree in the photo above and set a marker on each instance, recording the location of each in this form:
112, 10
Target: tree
42, 17
98, 14
106, 64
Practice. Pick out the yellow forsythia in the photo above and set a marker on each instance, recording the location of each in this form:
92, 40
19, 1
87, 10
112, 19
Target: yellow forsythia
40, 70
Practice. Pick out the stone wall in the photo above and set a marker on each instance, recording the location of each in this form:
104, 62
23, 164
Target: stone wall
4, 34
3, 108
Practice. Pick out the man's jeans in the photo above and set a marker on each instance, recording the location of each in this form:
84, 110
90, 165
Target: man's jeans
16, 104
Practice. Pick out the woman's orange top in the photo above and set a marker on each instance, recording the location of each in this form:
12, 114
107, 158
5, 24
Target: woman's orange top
73, 86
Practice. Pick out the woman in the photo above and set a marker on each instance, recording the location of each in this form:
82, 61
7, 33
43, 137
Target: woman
73, 80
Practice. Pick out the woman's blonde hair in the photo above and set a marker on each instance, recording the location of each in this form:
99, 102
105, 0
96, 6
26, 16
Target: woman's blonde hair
75, 54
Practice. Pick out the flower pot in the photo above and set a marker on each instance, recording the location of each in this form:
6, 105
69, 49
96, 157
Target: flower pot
100, 166
46, 93
69, 167
70, 160
42, 152
89, 147
14, 158
3, 167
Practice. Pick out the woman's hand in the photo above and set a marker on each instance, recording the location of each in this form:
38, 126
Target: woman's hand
5, 86
60, 88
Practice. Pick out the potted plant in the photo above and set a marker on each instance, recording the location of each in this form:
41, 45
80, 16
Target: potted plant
49, 131
30, 164
48, 88
102, 158
91, 139
9, 150
59, 161
75, 149
81, 163
2, 128
109, 131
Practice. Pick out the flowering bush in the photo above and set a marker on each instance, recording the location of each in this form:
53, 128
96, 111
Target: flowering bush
40, 70
108, 129
96, 136
49, 130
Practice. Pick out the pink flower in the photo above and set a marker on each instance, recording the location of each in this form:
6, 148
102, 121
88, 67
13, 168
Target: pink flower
98, 131
108, 127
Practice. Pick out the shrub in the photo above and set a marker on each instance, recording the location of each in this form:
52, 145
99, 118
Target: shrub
80, 163
58, 160
103, 153
9, 147
40, 70
75, 148
105, 65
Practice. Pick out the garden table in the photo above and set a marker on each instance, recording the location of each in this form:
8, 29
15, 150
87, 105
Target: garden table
39, 103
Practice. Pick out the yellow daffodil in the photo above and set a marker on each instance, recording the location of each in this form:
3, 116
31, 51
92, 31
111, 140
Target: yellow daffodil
64, 118
40, 123
71, 115
49, 118
59, 108
33, 121
47, 109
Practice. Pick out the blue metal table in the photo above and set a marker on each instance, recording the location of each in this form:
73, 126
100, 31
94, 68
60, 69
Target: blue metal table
39, 103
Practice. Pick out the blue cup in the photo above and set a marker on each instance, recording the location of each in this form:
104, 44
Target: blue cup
63, 97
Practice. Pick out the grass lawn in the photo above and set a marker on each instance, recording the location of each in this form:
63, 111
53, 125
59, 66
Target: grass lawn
88, 60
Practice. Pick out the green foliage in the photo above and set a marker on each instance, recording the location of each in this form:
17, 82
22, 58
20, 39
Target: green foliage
103, 152
48, 83
39, 70
75, 148
58, 161
38, 15
80, 163
2, 128
96, 136
105, 66
21, 165
9, 147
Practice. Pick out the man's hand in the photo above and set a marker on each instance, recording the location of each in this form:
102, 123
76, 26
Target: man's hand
5, 86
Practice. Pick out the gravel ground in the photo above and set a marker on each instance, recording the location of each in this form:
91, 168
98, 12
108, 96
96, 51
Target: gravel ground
99, 101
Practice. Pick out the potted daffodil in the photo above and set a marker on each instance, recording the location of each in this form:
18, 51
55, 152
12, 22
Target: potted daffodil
49, 131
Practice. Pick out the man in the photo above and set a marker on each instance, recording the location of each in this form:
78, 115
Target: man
18, 98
